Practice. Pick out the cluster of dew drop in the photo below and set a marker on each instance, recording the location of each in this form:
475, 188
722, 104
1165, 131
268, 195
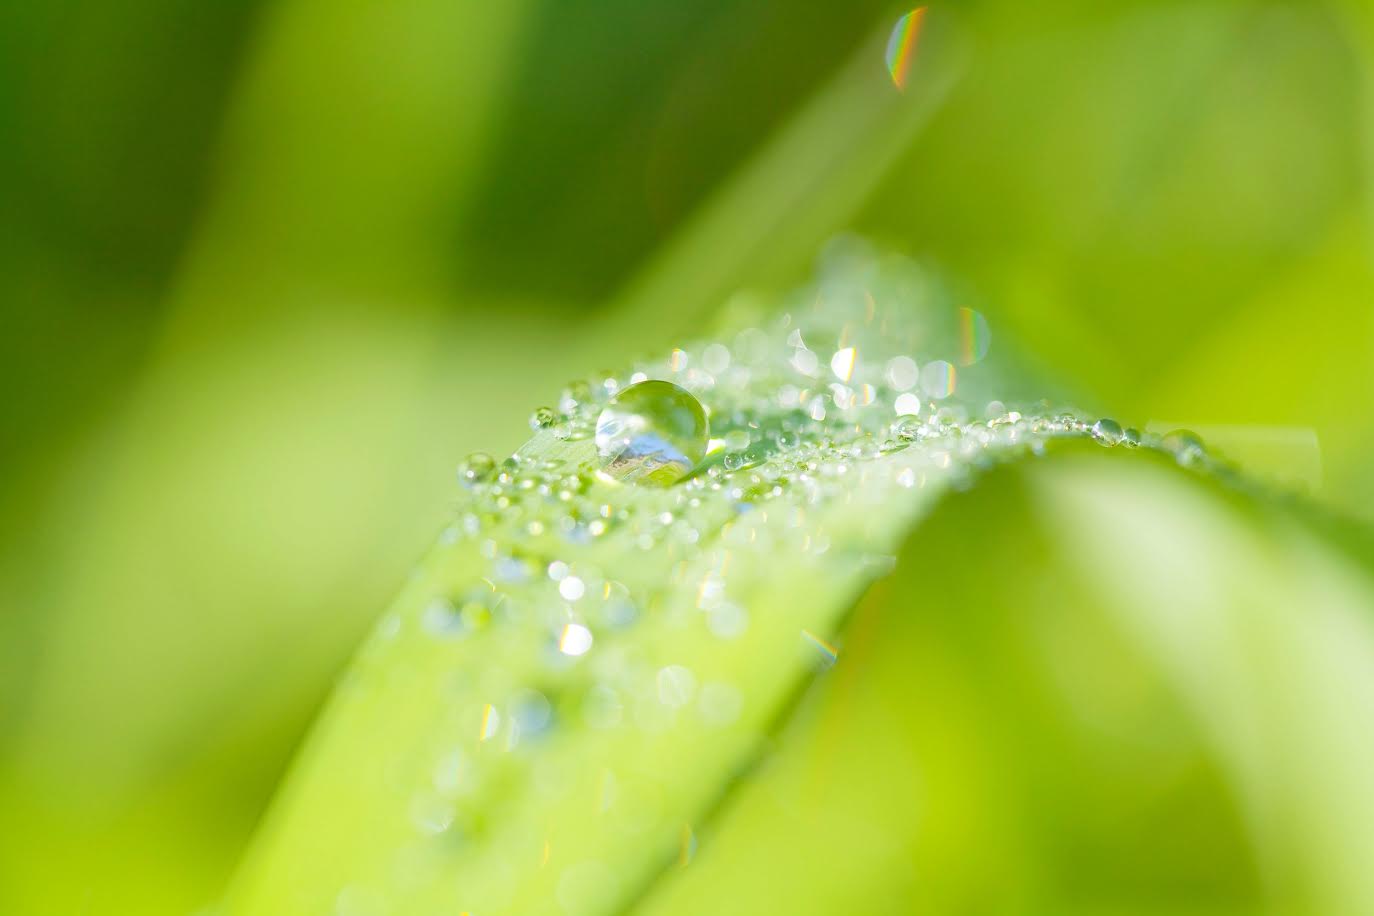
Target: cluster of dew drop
594, 586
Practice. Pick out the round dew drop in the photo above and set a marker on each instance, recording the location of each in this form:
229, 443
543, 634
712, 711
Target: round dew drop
1186, 446
907, 428
543, 418
476, 467
651, 433
1107, 432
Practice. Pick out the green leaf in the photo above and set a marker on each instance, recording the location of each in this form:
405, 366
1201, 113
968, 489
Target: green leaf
588, 686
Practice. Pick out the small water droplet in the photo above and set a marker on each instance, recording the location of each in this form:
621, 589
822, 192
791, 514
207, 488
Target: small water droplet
1107, 431
715, 359
576, 395
575, 640
907, 405
736, 440
805, 361
653, 432
441, 618
572, 588
490, 723
431, 814
476, 467
531, 711
676, 686
902, 373
727, 620
907, 428
938, 379
1186, 446
542, 418
842, 363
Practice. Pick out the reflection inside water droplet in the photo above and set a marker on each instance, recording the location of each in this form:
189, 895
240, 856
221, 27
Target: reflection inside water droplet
653, 432
543, 418
1107, 431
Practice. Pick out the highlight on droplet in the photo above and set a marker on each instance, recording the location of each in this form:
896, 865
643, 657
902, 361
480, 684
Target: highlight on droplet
491, 721
901, 45
842, 363
687, 846
938, 379
907, 405
575, 639
974, 337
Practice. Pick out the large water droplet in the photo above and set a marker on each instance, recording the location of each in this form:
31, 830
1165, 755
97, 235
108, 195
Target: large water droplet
653, 432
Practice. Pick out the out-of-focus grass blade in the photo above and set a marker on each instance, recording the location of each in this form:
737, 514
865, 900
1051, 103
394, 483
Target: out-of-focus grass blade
770, 218
217, 540
1092, 685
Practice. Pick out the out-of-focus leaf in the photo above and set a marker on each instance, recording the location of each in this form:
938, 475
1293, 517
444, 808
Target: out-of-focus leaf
764, 224
1029, 678
623, 120
221, 537
1163, 203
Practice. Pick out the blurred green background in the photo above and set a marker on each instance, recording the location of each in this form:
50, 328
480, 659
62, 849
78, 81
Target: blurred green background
268, 270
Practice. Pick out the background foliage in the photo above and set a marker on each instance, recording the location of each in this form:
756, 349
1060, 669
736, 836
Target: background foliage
267, 269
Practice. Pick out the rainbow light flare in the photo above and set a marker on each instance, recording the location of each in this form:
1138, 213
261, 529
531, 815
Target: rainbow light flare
491, 721
828, 652
974, 337
901, 46
938, 379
